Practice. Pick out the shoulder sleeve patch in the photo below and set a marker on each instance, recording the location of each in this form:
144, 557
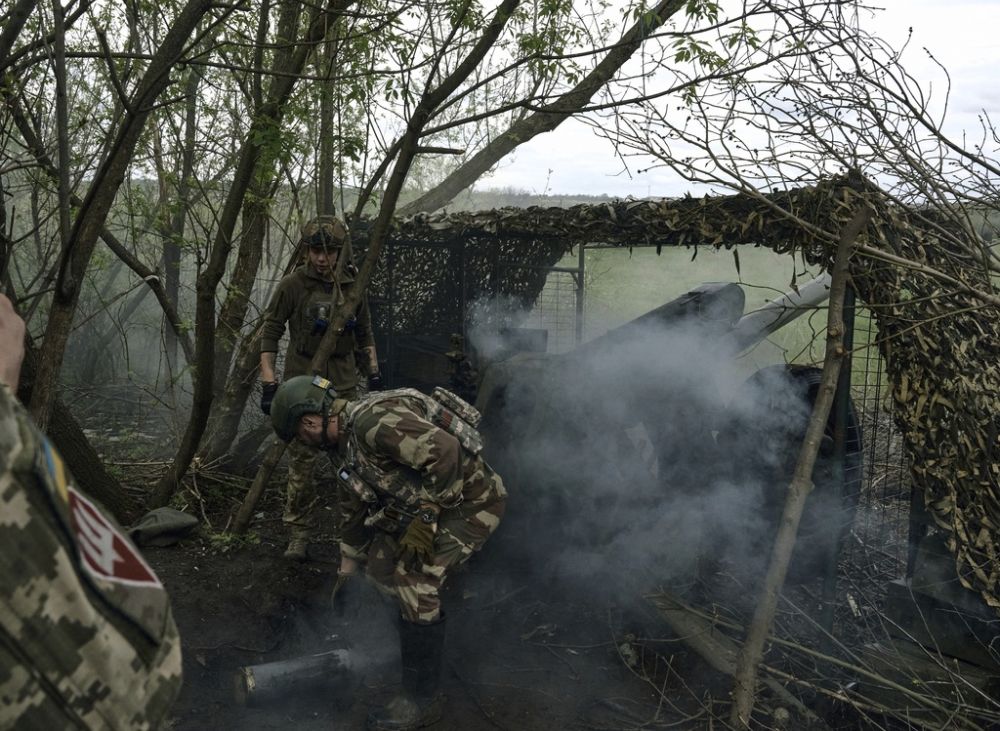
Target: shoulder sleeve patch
104, 551
55, 469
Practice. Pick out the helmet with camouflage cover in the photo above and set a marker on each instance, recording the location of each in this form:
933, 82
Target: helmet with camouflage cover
297, 397
324, 232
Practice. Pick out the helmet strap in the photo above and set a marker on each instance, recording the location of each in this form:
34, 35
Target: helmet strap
325, 442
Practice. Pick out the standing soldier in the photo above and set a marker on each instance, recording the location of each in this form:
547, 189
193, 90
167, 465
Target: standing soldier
87, 639
306, 299
416, 499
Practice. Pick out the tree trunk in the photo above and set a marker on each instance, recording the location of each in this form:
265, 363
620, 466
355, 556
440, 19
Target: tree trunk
256, 210
88, 470
752, 651
406, 150
550, 116
104, 188
325, 172
6, 248
227, 412
14, 20
249, 504
175, 232
253, 164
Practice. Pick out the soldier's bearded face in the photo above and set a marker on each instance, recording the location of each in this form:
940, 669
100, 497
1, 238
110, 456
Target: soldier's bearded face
310, 430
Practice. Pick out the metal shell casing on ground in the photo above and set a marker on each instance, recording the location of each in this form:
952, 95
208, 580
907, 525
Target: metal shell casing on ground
259, 684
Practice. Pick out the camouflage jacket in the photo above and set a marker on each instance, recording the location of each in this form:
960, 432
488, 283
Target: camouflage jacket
87, 639
390, 454
302, 297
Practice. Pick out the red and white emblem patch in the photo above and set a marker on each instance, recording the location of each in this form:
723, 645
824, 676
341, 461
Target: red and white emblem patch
105, 552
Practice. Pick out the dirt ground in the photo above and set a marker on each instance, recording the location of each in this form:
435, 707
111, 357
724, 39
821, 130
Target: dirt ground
521, 653
535, 641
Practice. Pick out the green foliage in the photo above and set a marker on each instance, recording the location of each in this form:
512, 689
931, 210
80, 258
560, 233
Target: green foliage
688, 49
744, 34
224, 542
377, 60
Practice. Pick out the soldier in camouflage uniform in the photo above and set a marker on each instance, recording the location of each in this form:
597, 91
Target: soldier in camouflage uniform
416, 500
87, 639
306, 300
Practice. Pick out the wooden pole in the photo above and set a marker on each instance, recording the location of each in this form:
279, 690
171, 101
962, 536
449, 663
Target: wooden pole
752, 651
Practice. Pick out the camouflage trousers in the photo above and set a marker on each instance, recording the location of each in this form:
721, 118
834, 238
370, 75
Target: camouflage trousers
300, 493
416, 587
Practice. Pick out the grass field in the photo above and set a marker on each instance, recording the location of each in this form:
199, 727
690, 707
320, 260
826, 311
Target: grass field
621, 285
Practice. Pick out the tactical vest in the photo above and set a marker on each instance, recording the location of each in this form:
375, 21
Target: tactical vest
392, 495
319, 303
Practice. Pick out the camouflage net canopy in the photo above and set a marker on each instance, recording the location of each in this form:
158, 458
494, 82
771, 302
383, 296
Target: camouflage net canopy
935, 304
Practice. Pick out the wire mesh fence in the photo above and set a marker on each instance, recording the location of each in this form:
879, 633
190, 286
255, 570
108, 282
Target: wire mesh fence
877, 545
556, 310
880, 536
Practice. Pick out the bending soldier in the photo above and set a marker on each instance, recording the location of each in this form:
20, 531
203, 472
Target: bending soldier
87, 639
306, 300
416, 500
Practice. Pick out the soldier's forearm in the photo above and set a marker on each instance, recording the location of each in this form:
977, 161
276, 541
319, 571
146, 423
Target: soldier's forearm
372, 357
267, 367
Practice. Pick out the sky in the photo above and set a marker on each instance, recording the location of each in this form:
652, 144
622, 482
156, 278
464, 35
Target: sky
962, 35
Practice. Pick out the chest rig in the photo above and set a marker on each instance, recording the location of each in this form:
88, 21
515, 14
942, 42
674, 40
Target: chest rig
392, 494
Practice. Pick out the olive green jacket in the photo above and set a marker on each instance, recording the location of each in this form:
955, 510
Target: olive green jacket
302, 298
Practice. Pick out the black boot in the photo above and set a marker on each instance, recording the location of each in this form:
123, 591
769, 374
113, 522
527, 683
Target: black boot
420, 702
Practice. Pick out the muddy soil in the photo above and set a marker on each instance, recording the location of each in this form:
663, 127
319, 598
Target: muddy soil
521, 653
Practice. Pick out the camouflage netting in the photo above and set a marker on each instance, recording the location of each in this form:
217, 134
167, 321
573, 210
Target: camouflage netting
408, 278
941, 342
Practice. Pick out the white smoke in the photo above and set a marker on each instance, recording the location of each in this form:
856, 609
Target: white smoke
613, 459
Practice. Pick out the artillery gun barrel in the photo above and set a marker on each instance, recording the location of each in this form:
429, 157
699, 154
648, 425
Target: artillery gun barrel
713, 308
757, 325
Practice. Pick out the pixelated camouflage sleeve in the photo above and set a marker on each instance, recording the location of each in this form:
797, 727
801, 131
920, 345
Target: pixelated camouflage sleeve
87, 639
391, 429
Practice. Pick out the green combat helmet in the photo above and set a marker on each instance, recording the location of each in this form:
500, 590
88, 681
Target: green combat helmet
324, 232
297, 397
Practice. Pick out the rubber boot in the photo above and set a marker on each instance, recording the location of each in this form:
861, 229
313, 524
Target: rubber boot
420, 702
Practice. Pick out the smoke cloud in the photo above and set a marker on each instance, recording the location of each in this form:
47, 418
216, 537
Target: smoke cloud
641, 456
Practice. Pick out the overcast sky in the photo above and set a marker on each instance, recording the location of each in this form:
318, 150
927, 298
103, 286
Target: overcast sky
963, 35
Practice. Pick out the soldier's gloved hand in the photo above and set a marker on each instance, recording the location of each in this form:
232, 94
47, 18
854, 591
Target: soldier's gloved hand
417, 543
375, 382
267, 396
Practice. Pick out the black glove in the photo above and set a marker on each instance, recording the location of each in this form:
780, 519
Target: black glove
417, 543
375, 382
267, 392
